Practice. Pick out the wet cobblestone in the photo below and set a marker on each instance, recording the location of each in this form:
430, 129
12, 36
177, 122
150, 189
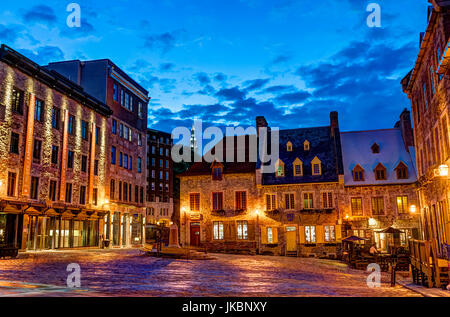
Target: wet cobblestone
127, 273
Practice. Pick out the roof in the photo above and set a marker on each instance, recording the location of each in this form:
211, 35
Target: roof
322, 145
356, 149
52, 79
204, 167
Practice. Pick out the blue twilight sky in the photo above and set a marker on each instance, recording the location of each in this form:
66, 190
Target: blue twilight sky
227, 61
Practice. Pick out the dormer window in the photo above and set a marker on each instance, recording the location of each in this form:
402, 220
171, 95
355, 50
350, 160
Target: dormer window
306, 145
298, 167
216, 170
316, 166
358, 173
380, 172
279, 168
289, 146
402, 171
375, 148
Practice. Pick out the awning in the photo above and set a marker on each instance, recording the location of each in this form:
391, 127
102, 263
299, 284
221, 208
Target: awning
353, 238
391, 230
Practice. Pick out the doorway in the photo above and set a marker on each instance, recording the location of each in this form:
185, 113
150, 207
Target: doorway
195, 234
291, 239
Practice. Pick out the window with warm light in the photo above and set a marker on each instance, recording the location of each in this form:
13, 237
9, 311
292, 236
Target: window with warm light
308, 200
270, 235
402, 204
242, 230
356, 204
218, 230
310, 234
329, 232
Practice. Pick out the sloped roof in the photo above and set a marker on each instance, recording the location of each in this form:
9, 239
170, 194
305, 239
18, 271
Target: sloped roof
204, 167
322, 145
356, 149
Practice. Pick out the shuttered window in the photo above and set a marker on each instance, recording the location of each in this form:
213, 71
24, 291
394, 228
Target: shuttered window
289, 201
194, 201
241, 200
271, 202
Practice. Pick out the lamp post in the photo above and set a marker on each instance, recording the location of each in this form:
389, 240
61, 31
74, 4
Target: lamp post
258, 243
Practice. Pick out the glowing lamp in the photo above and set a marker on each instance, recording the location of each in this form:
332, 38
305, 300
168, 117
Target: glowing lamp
346, 216
372, 222
443, 170
106, 201
412, 209
257, 212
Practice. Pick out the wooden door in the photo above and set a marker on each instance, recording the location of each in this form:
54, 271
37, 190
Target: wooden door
291, 239
195, 234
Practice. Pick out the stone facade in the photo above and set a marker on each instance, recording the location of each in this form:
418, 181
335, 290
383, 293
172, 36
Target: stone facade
428, 86
34, 217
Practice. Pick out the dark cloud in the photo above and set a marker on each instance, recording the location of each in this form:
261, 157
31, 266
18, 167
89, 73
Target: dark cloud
231, 94
39, 14
279, 89
76, 32
164, 41
292, 98
44, 54
207, 90
8, 34
220, 77
202, 78
255, 84
281, 59
165, 67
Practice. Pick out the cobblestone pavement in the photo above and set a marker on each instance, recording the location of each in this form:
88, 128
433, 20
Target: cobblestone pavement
127, 273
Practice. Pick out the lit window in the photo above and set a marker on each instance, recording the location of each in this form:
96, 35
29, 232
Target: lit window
308, 201
218, 230
269, 235
356, 204
402, 204
242, 230
310, 234
194, 201
330, 233
377, 206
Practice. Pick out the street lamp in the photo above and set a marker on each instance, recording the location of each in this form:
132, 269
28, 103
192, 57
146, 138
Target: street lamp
443, 170
412, 209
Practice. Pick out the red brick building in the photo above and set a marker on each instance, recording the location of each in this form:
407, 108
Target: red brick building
428, 86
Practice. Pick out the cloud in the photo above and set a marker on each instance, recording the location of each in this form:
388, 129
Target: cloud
279, 88
231, 94
221, 77
164, 41
76, 32
202, 78
281, 59
44, 54
255, 84
292, 98
166, 67
9, 34
40, 14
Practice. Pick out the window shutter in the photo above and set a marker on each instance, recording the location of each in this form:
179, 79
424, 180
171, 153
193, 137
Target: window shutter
320, 236
263, 235
227, 230
233, 230
275, 234
338, 232
251, 230
301, 231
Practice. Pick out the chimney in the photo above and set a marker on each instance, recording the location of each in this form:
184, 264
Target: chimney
406, 129
334, 122
261, 123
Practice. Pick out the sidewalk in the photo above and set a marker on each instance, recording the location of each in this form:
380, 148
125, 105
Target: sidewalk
425, 291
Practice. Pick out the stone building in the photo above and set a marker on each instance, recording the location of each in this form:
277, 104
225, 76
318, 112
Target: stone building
160, 203
427, 86
53, 158
302, 194
380, 184
125, 154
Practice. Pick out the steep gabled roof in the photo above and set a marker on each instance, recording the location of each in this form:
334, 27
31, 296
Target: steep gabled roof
356, 150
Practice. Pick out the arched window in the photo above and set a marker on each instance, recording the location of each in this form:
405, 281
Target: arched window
358, 173
380, 172
402, 171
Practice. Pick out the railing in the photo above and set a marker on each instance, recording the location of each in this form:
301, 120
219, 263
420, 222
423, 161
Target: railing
427, 269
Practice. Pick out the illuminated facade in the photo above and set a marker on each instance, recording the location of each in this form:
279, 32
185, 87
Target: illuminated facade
53, 158
160, 178
428, 86
125, 155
